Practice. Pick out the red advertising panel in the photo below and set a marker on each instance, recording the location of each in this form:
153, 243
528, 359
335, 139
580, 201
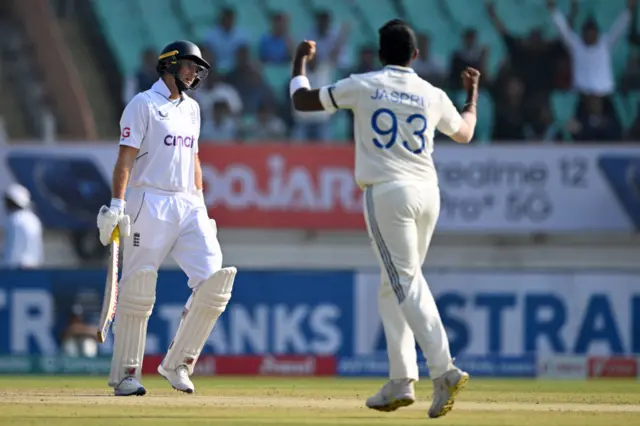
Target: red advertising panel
254, 365
613, 367
282, 186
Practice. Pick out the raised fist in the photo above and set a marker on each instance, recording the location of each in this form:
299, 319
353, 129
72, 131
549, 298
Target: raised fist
470, 78
306, 49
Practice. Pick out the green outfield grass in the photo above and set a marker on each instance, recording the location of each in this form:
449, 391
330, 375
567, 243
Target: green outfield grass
264, 401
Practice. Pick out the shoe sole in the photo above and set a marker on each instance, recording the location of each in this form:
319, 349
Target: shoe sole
137, 392
453, 392
393, 405
162, 372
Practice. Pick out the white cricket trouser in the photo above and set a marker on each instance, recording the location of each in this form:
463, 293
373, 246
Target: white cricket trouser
164, 223
401, 217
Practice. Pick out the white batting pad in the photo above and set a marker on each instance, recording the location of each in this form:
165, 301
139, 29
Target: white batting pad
135, 303
208, 303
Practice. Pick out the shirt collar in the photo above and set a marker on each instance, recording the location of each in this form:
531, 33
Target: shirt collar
401, 69
161, 87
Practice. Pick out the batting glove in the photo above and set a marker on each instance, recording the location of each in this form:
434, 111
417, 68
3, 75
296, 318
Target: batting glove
109, 218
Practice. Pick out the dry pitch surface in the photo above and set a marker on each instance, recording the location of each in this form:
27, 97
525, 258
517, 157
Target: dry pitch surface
265, 401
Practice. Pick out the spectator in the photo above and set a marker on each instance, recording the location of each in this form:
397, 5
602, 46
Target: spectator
314, 125
225, 38
265, 125
470, 55
510, 114
591, 52
429, 66
366, 61
593, 124
631, 76
330, 41
207, 54
634, 36
221, 125
542, 127
531, 57
79, 338
144, 78
562, 73
277, 47
23, 231
247, 79
214, 90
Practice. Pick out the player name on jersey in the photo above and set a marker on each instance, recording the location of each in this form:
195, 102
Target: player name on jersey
395, 97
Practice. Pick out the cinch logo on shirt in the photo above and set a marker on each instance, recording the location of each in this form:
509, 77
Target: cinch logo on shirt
186, 141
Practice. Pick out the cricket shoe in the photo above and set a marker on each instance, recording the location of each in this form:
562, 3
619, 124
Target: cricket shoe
129, 386
393, 395
445, 390
179, 378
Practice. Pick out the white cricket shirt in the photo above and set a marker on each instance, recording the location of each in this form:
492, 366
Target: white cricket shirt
166, 135
23, 246
395, 117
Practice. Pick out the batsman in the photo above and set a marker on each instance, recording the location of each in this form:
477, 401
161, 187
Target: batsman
164, 214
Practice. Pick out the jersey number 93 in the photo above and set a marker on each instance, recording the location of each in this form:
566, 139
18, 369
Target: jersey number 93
418, 122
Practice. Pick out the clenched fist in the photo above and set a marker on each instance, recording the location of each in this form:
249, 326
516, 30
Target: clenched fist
470, 78
306, 49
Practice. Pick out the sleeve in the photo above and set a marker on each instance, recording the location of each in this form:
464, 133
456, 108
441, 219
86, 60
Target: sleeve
450, 119
619, 26
566, 33
341, 95
133, 123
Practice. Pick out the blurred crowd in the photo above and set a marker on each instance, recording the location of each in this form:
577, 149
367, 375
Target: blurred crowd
562, 90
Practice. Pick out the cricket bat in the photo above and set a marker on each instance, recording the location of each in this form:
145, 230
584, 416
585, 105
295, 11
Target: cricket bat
111, 288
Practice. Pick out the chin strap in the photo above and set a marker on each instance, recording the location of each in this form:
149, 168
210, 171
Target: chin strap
180, 84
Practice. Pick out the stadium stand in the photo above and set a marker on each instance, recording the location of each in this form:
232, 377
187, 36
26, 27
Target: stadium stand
131, 26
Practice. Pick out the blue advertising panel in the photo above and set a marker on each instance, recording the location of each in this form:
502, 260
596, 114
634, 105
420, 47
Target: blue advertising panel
520, 313
269, 312
502, 316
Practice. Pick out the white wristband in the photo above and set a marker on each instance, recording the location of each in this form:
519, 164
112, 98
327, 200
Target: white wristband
298, 82
118, 204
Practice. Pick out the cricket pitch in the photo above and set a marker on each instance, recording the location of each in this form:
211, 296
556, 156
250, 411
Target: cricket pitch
290, 401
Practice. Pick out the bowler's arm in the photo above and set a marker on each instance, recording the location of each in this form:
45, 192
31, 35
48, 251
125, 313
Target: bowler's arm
303, 98
469, 117
459, 126
343, 94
